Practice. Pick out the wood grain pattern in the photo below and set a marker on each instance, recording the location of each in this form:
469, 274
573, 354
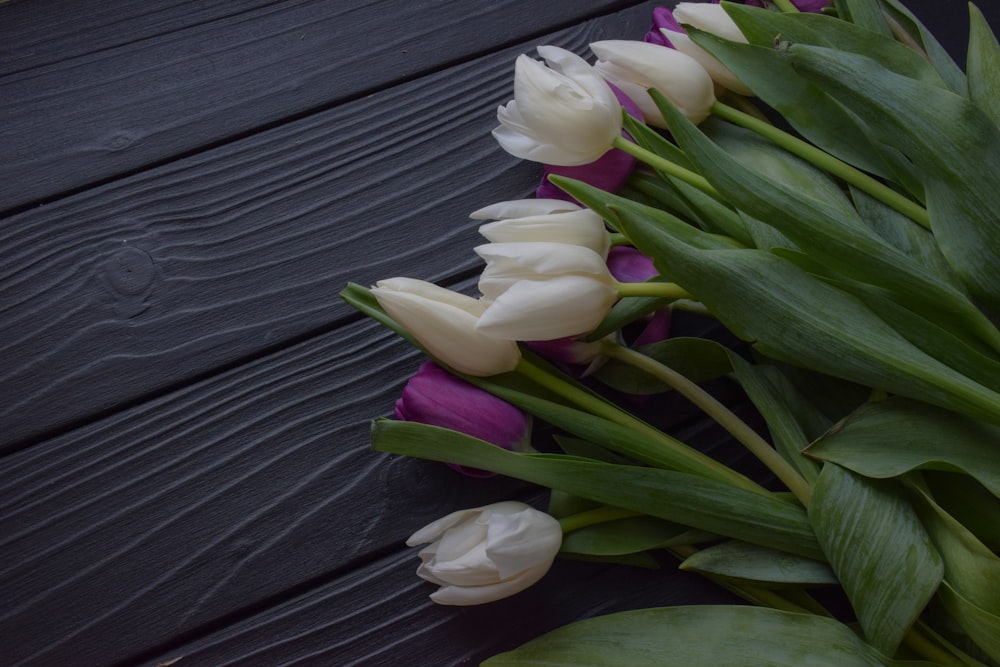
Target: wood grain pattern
107, 112
185, 401
125, 291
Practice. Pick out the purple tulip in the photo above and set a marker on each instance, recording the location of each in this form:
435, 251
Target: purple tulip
609, 172
664, 18
628, 265
435, 397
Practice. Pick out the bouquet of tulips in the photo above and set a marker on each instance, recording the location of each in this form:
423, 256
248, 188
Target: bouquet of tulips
824, 181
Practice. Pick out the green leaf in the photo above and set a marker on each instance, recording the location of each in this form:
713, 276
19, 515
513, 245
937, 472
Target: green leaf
892, 437
623, 536
698, 636
879, 550
983, 65
832, 235
955, 145
788, 314
982, 626
924, 39
691, 500
759, 566
969, 502
868, 14
782, 408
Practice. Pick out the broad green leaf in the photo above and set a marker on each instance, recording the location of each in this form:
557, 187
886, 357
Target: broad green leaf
982, 626
925, 40
892, 437
699, 636
826, 233
782, 408
624, 536
691, 500
879, 550
588, 450
625, 312
983, 65
955, 145
969, 502
759, 566
788, 314
868, 14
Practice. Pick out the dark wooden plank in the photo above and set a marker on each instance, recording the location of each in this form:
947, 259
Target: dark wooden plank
209, 501
136, 287
43, 32
380, 615
88, 118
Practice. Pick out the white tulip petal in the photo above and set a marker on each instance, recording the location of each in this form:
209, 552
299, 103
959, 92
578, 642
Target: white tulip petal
543, 259
710, 18
544, 310
631, 64
719, 72
522, 208
434, 530
464, 597
444, 323
516, 542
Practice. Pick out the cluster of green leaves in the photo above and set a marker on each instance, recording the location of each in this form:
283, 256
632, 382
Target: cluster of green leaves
878, 367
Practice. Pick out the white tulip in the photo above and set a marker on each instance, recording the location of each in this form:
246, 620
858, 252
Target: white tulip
552, 220
444, 323
562, 114
543, 291
713, 19
488, 553
635, 67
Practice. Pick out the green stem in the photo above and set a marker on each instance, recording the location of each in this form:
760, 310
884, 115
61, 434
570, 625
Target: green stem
826, 162
684, 458
665, 165
619, 239
594, 516
659, 290
720, 413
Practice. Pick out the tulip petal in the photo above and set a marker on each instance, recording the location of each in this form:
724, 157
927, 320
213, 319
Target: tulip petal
522, 208
517, 542
432, 531
463, 597
546, 309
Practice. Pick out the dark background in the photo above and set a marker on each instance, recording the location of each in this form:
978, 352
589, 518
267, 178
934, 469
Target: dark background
184, 401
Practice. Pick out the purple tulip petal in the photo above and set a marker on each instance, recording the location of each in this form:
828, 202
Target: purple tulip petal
628, 265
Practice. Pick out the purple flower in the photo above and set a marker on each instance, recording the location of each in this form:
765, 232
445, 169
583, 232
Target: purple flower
435, 397
663, 18
608, 172
628, 265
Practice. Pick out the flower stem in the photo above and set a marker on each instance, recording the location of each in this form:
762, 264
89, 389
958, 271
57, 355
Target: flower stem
665, 165
618, 239
930, 650
826, 162
720, 413
659, 290
682, 457
594, 516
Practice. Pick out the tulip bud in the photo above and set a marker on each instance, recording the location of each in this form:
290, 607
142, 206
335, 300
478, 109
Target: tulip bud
434, 396
561, 114
635, 67
444, 323
609, 172
552, 220
541, 291
628, 265
488, 553
711, 18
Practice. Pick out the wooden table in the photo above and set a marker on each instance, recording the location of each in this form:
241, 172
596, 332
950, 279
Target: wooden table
185, 187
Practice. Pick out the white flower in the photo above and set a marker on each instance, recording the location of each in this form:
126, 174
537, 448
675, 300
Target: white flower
635, 67
488, 553
563, 114
713, 19
542, 291
444, 323
552, 220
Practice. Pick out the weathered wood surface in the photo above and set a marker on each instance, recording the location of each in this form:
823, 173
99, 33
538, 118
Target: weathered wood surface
185, 401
